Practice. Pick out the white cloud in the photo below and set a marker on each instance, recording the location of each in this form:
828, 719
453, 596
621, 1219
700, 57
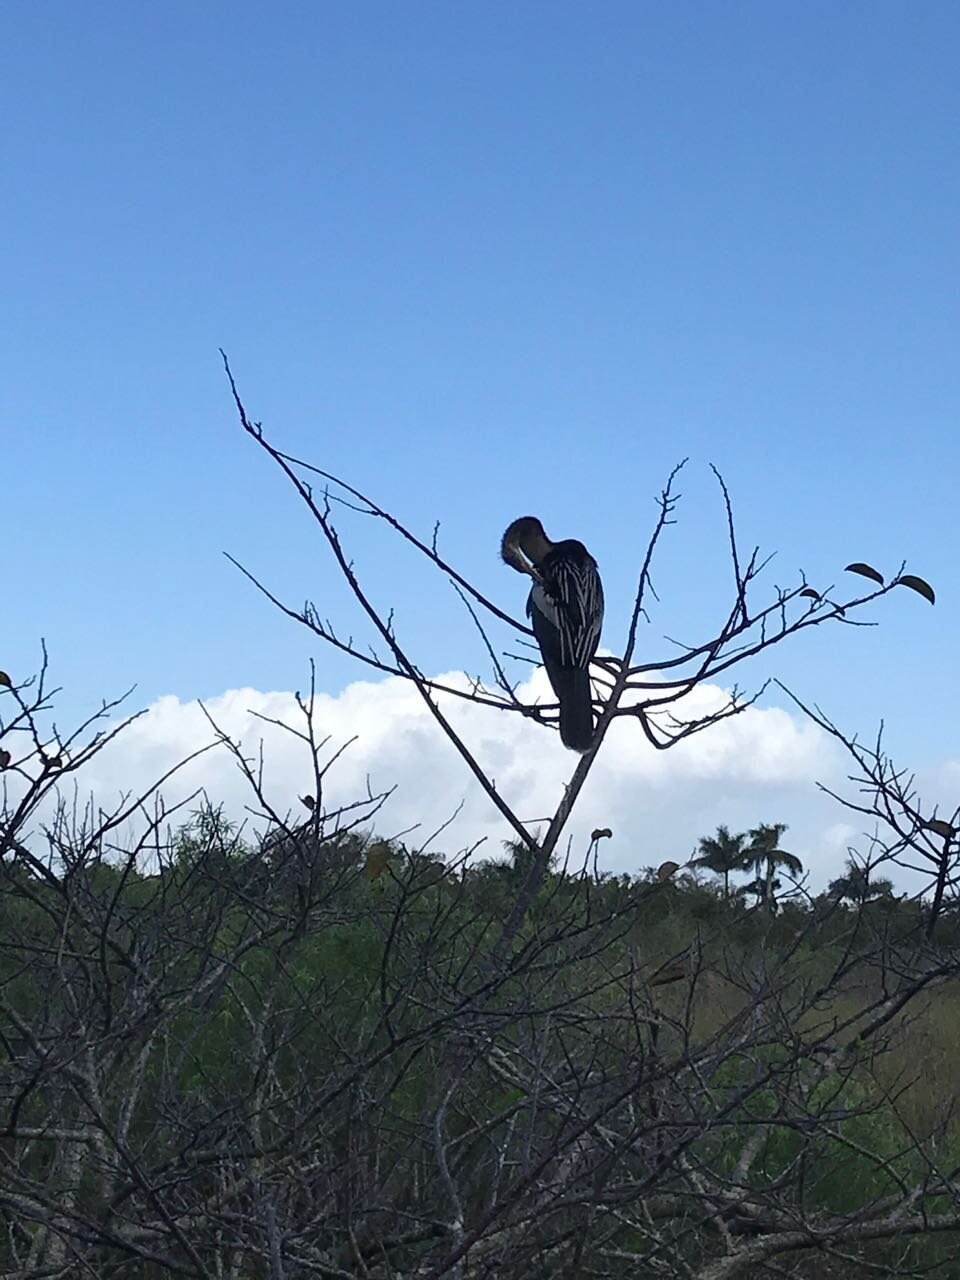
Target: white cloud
759, 766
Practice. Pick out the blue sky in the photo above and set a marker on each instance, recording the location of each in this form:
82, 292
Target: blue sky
481, 259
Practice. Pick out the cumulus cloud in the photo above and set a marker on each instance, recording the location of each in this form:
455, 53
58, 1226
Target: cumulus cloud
759, 766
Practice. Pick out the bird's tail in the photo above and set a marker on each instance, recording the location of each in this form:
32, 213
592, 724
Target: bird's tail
576, 711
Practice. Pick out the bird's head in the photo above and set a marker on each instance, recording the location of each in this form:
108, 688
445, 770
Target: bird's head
524, 545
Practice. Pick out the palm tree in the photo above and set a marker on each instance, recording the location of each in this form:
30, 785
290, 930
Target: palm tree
722, 854
857, 886
765, 856
522, 858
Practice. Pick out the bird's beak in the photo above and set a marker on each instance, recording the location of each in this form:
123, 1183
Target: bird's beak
515, 558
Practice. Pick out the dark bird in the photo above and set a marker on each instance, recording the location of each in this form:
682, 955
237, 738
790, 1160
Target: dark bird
566, 610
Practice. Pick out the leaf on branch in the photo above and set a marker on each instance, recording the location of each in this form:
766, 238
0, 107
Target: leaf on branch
5, 680
939, 827
666, 870
308, 802
51, 762
917, 584
865, 571
4, 759
601, 833
811, 594
378, 855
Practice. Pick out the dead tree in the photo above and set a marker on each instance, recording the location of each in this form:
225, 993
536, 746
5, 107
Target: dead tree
651, 694
301, 1051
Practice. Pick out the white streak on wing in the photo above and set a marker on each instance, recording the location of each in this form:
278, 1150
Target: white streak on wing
545, 604
579, 611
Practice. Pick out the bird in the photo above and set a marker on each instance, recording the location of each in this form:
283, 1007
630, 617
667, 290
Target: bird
565, 607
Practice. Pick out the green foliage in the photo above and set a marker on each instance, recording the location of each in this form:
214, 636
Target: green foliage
297, 1014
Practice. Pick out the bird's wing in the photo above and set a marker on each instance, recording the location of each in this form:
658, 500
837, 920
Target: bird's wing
542, 600
577, 598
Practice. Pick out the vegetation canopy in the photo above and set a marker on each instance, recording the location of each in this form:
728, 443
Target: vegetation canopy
297, 1049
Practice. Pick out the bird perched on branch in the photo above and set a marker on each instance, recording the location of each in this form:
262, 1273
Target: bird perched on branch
566, 610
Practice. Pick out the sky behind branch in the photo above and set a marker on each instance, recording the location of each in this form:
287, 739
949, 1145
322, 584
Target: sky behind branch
482, 260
